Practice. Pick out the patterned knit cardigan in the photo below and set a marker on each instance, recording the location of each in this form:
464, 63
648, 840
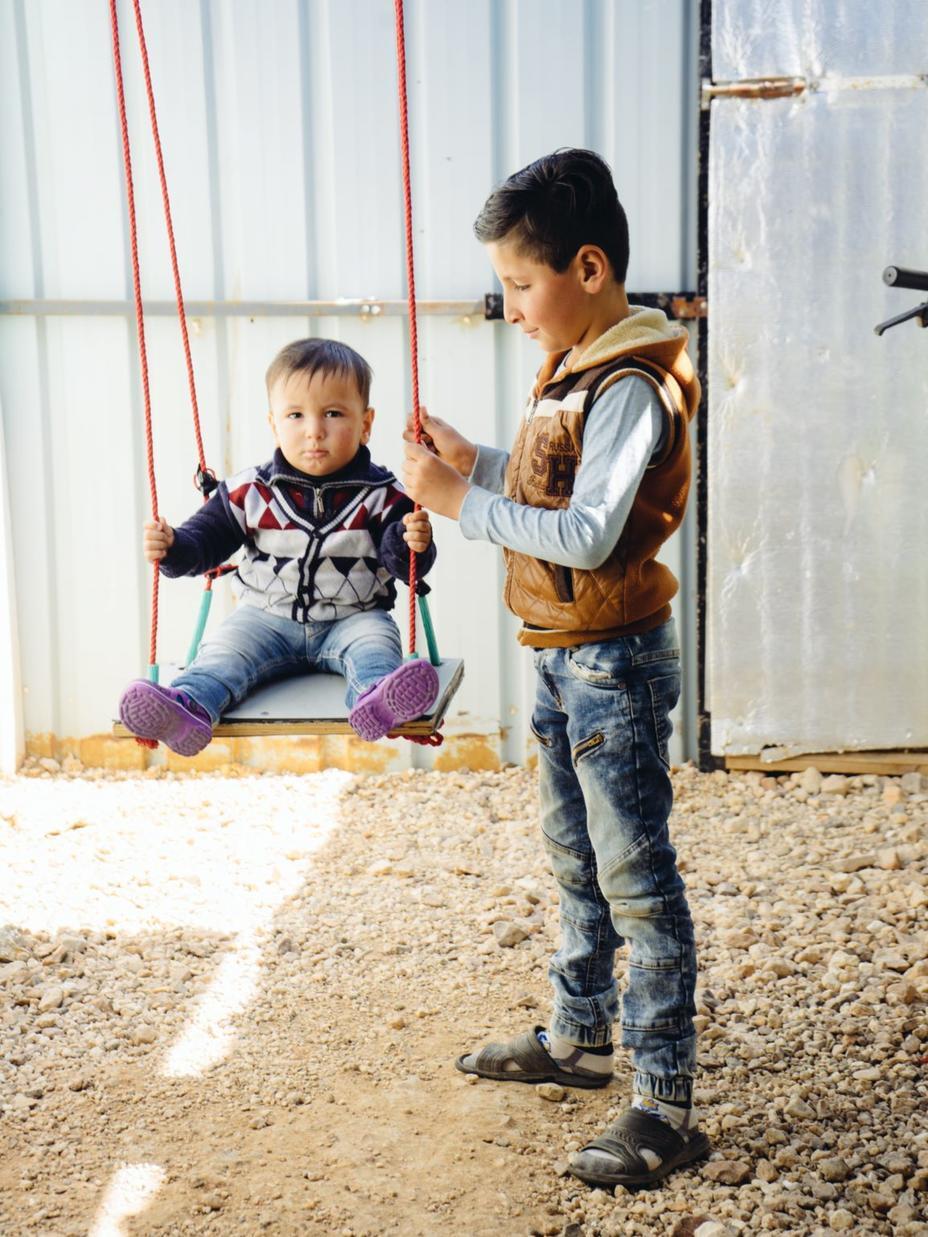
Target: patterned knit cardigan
314, 548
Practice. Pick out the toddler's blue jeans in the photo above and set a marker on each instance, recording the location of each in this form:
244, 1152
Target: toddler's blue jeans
253, 646
602, 723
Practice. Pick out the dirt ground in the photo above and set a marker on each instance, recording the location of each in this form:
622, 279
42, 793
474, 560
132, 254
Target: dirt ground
231, 1005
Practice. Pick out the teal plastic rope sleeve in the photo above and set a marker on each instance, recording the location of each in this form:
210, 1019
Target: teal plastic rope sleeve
434, 656
205, 602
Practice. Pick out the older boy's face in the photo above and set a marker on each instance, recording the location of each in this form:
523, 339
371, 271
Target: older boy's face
318, 421
549, 306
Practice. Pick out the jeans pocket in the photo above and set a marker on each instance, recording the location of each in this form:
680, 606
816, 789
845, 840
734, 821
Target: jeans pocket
665, 692
586, 746
659, 644
545, 742
596, 671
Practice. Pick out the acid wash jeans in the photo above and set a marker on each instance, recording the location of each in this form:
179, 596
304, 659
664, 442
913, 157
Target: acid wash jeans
252, 647
602, 723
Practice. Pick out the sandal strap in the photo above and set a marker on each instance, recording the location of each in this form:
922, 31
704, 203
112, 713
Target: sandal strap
634, 1130
525, 1050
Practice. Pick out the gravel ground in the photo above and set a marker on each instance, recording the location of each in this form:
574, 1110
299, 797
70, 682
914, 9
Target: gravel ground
231, 1006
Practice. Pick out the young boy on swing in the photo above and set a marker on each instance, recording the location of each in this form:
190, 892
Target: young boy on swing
325, 533
595, 484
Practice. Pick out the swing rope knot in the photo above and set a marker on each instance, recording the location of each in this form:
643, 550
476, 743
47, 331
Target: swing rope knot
205, 480
435, 739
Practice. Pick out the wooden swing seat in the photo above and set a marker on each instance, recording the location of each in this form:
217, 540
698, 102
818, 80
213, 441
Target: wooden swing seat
315, 704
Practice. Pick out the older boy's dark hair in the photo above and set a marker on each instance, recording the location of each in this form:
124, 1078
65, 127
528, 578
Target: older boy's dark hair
321, 356
554, 206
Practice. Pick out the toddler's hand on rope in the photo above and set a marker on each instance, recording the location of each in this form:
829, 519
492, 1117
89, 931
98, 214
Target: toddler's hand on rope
418, 534
444, 441
157, 539
433, 483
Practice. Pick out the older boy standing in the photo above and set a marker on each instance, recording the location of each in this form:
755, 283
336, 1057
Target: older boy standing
595, 484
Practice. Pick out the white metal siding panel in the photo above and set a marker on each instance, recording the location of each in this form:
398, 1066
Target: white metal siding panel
818, 38
279, 128
818, 599
12, 738
17, 270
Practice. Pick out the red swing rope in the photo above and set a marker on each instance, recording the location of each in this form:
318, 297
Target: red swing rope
435, 739
204, 474
205, 478
410, 282
169, 225
140, 327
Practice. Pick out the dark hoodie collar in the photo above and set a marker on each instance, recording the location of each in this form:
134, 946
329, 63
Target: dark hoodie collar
359, 470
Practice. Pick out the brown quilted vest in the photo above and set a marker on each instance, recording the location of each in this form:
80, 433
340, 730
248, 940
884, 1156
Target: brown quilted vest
630, 592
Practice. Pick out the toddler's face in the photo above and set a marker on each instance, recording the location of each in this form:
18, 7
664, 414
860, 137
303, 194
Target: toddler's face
318, 421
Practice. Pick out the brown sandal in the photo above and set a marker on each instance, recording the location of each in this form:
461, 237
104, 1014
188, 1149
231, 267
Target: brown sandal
534, 1062
623, 1142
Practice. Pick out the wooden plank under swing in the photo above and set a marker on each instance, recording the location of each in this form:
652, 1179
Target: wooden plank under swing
315, 704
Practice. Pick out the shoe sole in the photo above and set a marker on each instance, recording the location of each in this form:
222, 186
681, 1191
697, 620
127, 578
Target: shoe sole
403, 696
562, 1077
696, 1149
149, 715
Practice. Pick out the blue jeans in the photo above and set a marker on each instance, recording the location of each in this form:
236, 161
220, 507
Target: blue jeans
602, 723
253, 646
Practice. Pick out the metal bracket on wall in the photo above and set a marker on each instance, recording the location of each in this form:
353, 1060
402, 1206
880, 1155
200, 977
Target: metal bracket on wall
678, 305
752, 88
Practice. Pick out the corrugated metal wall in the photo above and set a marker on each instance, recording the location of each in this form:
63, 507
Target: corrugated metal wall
278, 121
818, 595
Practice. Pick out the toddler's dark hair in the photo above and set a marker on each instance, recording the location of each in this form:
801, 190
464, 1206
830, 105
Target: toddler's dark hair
322, 356
554, 206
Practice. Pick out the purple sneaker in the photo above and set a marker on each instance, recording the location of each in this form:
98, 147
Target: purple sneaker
400, 696
154, 712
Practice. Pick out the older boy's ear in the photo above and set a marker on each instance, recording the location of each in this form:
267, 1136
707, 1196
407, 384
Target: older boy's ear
273, 425
366, 422
593, 267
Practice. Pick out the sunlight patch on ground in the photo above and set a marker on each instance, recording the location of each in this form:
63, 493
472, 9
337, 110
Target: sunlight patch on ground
131, 1190
131, 856
214, 854
208, 1036
137, 855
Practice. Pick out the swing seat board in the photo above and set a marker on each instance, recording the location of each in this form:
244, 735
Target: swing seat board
315, 704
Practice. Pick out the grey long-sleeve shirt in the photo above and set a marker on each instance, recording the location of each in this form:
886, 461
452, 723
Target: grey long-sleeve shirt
623, 430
